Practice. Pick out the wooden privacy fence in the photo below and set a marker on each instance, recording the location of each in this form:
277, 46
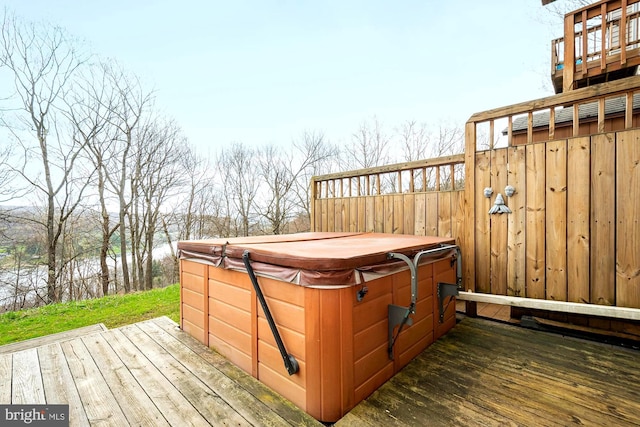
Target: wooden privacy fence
573, 233
422, 198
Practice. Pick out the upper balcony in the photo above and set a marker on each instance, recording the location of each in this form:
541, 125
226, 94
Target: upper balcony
601, 51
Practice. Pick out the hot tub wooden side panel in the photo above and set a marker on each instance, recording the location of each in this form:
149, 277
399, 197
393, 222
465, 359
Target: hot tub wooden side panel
372, 366
192, 313
417, 337
286, 304
330, 352
231, 322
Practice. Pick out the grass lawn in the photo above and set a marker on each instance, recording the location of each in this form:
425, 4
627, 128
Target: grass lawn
113, 311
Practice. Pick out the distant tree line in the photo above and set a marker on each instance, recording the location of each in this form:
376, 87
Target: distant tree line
93, 179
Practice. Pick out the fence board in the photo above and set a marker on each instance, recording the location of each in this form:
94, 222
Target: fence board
362, 217
535, 234
628, 228
331, 215
409, 211
458, 218
482, 236
602, 219
556, 220
320, 213
431, 211
420, 210
353, 214
388, 214
498, 224
342, 213
444, 214
516, 220
370, 213
398, 214
578, 235
379, 213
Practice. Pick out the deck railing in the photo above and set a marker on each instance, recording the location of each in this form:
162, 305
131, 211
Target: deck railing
599, 39
599, 44
439, 174
421, 197
541, 118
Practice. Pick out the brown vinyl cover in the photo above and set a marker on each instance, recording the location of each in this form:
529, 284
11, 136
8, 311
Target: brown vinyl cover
314, 259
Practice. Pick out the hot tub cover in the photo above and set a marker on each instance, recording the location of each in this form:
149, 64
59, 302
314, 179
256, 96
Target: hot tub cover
317, 259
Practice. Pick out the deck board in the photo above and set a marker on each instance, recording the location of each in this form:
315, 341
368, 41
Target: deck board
59, 387
491, 373
52, 338
97, 398
26, 383
175, 408
481, 373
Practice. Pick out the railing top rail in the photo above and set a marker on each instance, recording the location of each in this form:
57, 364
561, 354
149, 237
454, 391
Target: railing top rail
594, 9
577, 96
396, 167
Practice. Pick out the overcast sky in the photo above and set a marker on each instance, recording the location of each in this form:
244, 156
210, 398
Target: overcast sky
265, 71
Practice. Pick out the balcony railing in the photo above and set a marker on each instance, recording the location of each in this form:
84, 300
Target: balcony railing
599, 47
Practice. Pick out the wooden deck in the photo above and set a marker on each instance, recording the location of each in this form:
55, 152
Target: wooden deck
490, 373
481, 373
147, 374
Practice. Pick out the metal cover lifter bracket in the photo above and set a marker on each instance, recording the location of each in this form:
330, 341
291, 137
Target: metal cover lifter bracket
445, 290
398, 315
290, 362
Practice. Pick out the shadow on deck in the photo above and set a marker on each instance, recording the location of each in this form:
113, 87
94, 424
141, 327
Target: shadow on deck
481, 373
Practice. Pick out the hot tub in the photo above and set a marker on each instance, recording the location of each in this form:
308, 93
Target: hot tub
324, 319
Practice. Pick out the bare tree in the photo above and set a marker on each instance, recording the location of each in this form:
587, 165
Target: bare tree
90, 109
277, 178
196, 174
316, 156
414, 139
131, 103
160, 147
558, 9
369, 147
43, 61
238, 167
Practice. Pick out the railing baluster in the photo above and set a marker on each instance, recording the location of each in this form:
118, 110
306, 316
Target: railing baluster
601, 114
411, 181
584, 42
603, 38
623, 33
628, 112
492, 137
452, 173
